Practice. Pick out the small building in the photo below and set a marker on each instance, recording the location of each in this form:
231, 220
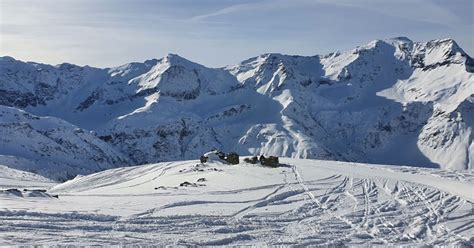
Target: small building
252, 160
271, 161
232, 158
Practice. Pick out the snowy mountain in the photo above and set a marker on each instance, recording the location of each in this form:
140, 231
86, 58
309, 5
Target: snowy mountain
390, 102
302, 203
52, 147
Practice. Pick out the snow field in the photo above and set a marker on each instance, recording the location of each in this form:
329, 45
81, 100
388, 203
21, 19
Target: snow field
304, 202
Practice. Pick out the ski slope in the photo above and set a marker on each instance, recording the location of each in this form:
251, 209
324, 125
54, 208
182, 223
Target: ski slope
304, 202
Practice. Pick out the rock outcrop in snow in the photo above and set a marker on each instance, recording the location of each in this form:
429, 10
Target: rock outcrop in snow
391, 101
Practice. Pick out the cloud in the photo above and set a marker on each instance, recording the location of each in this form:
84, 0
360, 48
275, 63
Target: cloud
235, 8
110, 32
415, 10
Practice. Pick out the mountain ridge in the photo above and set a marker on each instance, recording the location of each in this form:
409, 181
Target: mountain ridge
389, 101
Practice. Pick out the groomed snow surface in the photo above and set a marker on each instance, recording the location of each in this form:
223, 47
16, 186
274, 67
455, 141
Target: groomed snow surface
304, 202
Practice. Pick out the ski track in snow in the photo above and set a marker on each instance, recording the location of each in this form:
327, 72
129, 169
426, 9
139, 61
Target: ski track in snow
300, 205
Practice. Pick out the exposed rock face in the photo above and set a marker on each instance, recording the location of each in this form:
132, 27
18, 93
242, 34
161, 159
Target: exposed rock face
392, 101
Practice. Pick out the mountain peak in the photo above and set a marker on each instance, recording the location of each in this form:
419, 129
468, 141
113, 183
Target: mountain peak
349, 106
448, 43
151, 61
7, 58
396, 41
172, 59
172, 56
175, 58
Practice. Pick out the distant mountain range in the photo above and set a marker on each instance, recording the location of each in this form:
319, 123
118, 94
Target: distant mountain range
391, 101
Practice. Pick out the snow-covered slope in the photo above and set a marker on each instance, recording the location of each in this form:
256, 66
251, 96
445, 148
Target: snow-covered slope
391, 101
13, 178
52, 147
303, 203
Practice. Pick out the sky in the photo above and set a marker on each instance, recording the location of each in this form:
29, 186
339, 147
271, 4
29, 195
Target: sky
216, 33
